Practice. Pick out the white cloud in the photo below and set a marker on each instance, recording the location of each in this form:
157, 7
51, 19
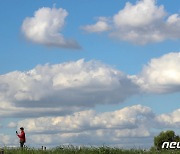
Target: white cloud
12, 125
127, 118
140, 23
144, 22
73, 86
92, 128
122, 127
161, 75
46, 26
92, 138
8, 140
143, 13
100, 26
171, 120
172, 27
62, 88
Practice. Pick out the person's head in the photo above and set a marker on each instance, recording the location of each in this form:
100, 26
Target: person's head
22, 129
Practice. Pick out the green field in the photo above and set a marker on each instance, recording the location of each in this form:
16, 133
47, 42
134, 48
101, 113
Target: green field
86, 150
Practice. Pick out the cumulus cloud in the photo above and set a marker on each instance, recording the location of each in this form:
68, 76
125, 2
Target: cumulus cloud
122, 127
100, 26
63, 88
170, 120
140, 23
161, 75
127, 118
45, 28
93, 138
8, 140
141, 14
69, 87
92, 128
144, 22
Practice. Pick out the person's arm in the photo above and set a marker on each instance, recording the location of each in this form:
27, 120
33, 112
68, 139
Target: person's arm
20, 135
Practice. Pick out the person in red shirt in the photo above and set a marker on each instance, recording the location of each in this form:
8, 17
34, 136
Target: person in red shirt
22, 137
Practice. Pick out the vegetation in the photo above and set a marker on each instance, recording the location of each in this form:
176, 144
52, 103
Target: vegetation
87, 150
165, 136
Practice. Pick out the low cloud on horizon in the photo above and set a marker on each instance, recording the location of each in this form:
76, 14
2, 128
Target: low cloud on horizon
128, 127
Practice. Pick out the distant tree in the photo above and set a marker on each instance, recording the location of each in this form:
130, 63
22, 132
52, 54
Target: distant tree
165, 136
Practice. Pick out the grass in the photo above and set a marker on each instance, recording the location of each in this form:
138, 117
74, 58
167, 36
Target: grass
86, 150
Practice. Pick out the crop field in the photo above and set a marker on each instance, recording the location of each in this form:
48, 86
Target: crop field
85, 150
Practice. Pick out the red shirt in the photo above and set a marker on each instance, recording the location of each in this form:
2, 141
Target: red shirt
22, 136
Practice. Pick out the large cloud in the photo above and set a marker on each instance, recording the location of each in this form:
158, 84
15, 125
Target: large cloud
45, 27
92, 128
127, 118
161, 75
62, 88
124, 127
73, 86
142, 23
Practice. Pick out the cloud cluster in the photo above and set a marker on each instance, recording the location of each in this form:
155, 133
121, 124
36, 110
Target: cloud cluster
45, 28
127, 127
142, 23
57, 100
63, 88
91, 128
73, 86
161, 75
130, 117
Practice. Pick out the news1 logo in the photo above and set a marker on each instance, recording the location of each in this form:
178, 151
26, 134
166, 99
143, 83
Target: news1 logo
171, 145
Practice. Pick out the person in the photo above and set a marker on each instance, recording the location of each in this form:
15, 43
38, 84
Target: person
22, 137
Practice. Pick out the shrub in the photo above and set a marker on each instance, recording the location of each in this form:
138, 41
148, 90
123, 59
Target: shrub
165, 136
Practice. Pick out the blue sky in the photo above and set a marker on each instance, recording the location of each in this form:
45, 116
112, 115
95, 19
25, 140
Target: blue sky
141, 45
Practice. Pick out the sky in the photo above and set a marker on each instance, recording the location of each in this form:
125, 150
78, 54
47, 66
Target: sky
79, 72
